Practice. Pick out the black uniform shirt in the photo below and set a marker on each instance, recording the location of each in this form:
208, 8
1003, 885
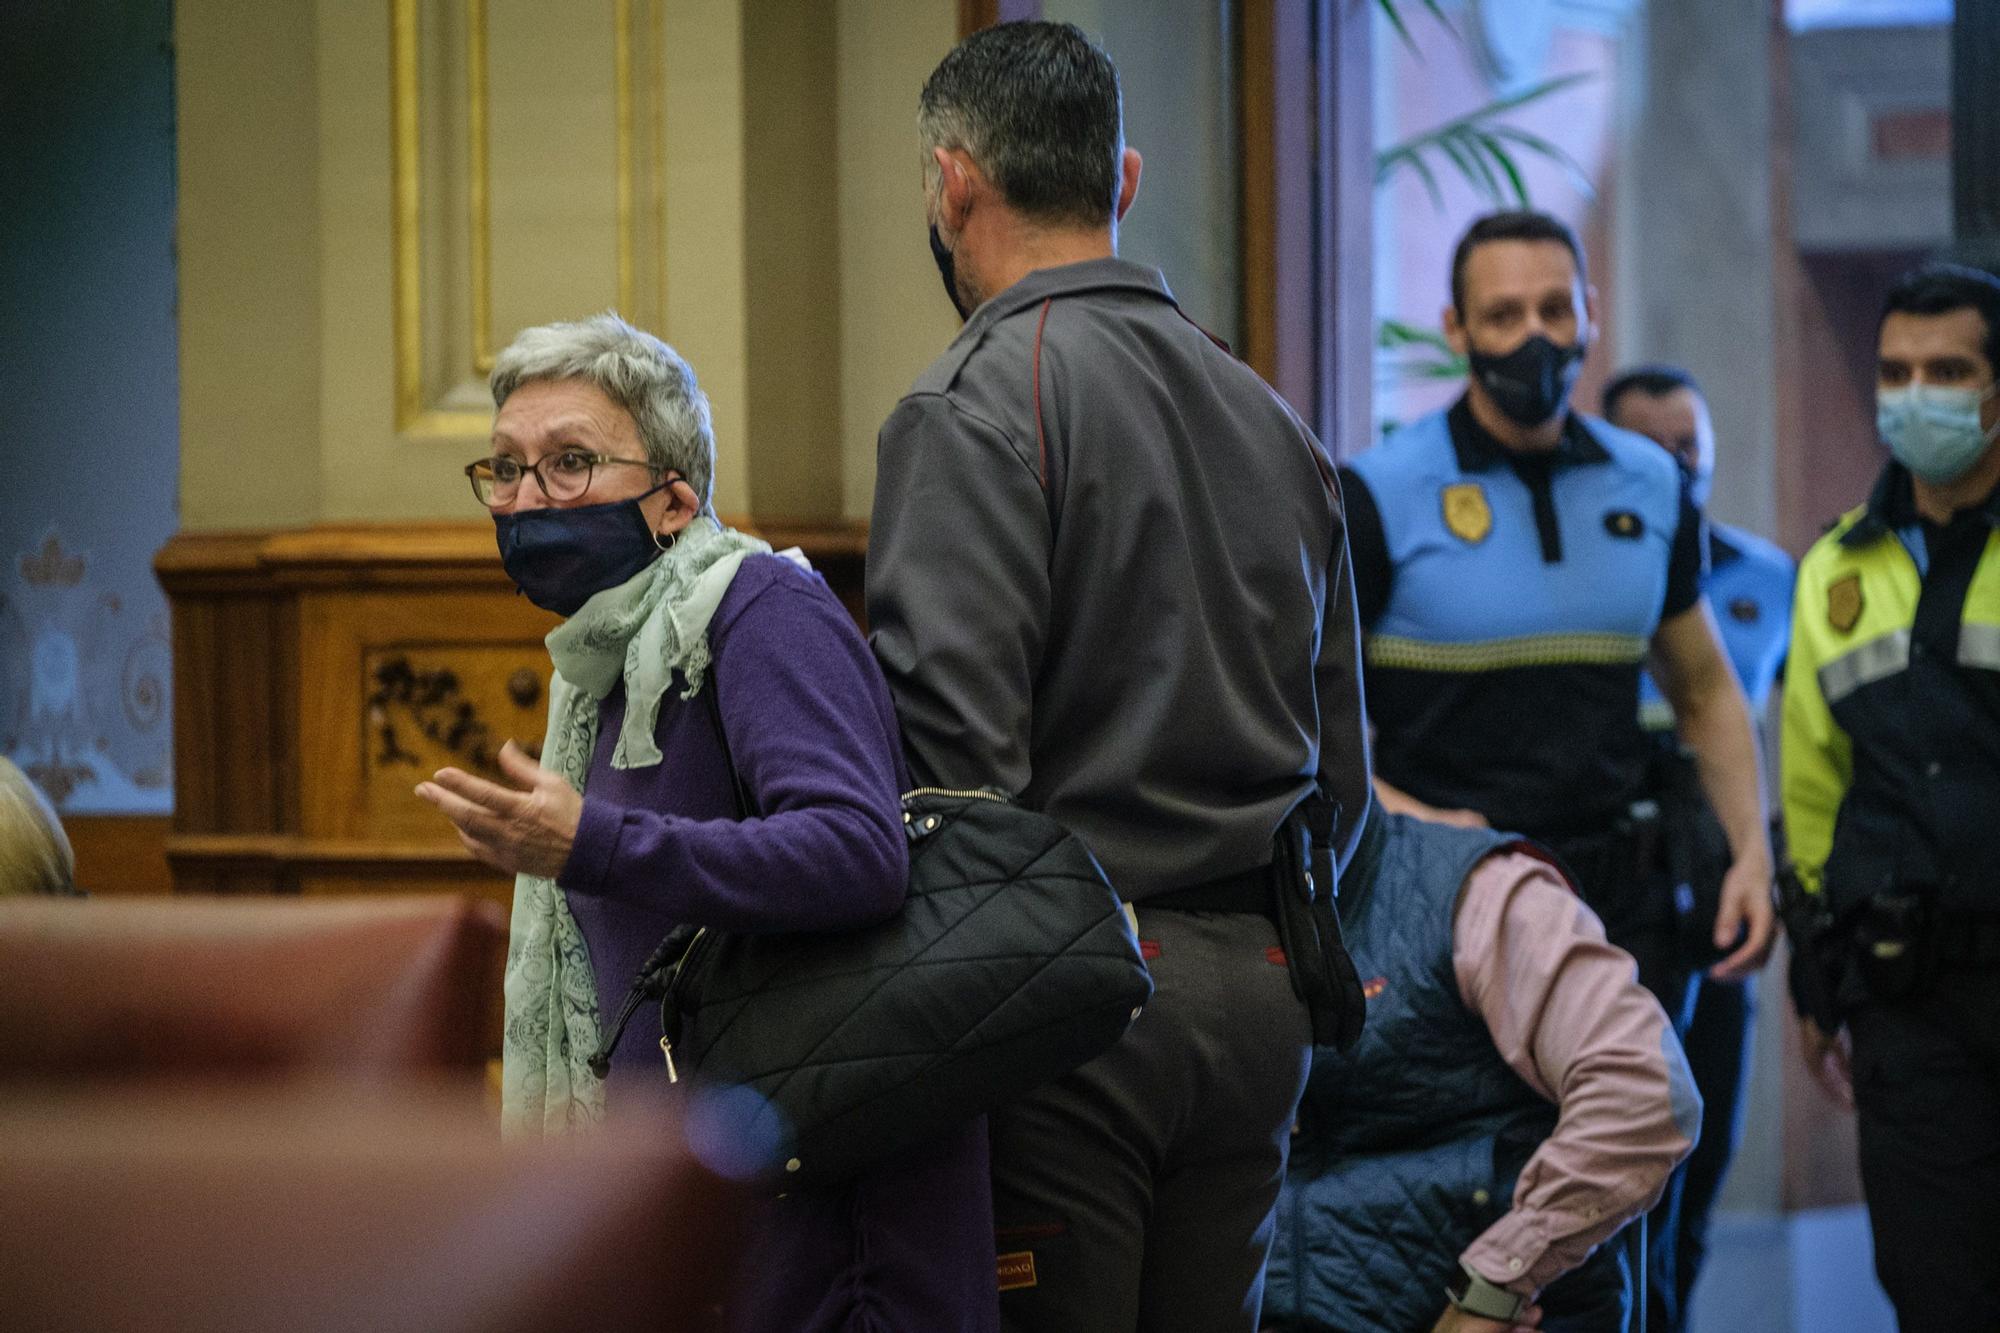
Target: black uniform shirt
1507, 604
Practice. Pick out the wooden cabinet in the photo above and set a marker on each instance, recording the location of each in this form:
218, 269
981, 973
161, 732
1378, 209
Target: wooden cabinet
321, 672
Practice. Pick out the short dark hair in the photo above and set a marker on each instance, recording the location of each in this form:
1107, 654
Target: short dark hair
1655, 381
1939, 289
1514, 224
1037, 107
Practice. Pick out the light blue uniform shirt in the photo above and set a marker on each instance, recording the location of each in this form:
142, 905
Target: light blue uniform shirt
1749, 587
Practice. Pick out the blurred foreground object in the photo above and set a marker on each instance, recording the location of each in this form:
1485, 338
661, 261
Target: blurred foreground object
311, 1206
362, 985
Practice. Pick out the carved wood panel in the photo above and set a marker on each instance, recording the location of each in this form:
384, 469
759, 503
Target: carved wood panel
432, 704
396, 684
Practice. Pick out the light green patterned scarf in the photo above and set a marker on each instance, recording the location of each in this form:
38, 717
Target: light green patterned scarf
642, 631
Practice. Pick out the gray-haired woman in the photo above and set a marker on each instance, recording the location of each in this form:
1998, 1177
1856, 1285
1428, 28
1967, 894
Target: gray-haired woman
599, 486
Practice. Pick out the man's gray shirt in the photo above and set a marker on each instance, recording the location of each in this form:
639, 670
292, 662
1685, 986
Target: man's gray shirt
1108, 573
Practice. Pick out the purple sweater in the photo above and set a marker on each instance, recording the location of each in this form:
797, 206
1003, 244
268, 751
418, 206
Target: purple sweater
814, 736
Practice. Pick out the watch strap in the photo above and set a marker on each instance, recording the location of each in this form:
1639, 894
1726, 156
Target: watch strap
1472, 1293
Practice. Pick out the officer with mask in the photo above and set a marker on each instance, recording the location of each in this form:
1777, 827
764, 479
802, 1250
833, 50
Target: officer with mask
1749, 588
1891, 788
1515, 564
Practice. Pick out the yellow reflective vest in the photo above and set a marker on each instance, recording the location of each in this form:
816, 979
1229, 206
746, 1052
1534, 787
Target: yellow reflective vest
1891, 737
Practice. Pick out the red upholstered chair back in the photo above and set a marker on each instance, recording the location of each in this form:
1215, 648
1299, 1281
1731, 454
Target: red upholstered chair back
309, 1207
112, 988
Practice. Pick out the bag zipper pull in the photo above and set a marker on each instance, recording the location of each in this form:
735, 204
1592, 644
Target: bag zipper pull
667, 1049
600, 1060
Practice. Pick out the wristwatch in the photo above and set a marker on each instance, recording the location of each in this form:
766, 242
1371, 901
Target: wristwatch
1473, 1294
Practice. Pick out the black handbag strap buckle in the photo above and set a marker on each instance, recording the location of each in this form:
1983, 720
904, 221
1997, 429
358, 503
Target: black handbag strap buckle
650, 984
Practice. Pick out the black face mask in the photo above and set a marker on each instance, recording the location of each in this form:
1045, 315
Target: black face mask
947, 269
1531, 383
561, 558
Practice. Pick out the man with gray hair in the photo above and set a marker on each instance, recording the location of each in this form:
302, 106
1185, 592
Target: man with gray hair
1108, 575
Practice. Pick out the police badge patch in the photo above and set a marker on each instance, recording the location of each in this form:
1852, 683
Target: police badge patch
1466, 513
1843, 602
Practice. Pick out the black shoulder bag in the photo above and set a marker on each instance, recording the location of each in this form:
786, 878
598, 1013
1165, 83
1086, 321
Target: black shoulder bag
1011, 962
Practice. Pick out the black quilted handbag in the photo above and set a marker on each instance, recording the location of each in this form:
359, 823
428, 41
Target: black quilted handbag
1011, 962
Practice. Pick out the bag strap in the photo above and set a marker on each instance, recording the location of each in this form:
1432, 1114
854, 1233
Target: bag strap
746, 806
651, 982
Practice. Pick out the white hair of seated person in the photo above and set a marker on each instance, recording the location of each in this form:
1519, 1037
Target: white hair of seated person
35, 855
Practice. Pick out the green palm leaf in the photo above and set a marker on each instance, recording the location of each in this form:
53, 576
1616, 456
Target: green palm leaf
1551, 152
1504, 160
1487, 153
1392, 12
1450, 140
1423, 353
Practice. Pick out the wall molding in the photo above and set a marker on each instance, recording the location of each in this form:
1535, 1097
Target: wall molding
638, 44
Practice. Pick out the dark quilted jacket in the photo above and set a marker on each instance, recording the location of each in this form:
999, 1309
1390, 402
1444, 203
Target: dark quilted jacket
1408, 1146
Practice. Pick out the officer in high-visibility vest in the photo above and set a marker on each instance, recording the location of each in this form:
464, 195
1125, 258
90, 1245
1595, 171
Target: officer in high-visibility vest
1891, 793
1749, 588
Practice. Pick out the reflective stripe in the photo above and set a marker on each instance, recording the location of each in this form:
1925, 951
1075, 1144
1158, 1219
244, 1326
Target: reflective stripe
1388, 650
1872, 661
1979, 646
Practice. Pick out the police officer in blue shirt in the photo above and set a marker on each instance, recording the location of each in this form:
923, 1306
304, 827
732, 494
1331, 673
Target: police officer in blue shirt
1749, 582
1515, 565
1749, 588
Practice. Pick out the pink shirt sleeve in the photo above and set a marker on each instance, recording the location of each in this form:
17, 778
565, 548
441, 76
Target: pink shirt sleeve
1567, 1013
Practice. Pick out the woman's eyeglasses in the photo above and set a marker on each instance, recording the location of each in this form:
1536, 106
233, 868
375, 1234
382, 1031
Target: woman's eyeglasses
564, 476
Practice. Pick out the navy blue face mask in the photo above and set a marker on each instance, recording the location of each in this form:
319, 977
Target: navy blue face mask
561, 558
947, 267
1531, 383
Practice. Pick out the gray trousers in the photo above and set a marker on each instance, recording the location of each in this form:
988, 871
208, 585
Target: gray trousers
1138, 1193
